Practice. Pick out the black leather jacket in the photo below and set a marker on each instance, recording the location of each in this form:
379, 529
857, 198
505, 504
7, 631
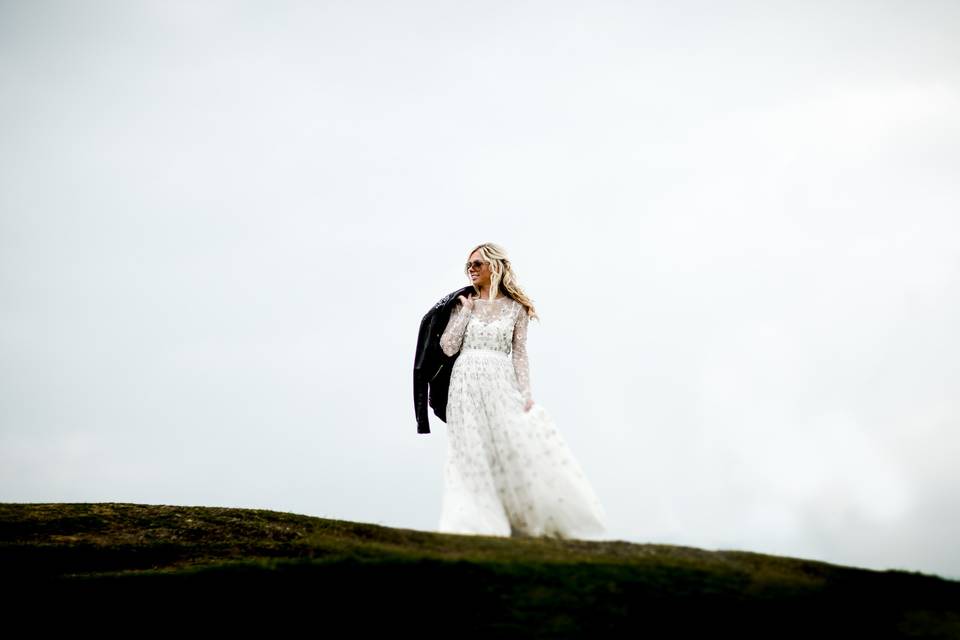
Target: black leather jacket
431, 366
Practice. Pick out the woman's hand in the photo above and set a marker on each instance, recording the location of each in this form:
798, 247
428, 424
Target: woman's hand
467, 302
528, 405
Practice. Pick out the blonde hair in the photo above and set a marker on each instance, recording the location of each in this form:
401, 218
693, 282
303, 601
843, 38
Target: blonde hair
502, 276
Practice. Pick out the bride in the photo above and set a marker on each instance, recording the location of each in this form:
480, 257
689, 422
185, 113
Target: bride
508, 470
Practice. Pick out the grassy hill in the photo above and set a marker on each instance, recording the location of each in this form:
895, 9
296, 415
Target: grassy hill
405, 580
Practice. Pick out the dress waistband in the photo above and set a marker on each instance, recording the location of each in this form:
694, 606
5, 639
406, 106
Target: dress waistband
485, 352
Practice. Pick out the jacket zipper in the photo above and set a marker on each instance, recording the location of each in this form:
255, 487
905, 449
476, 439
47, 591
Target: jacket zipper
435, 375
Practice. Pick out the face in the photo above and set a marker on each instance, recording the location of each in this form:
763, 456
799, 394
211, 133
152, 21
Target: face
479, 276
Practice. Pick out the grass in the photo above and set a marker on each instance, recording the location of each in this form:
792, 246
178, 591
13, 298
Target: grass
372, 577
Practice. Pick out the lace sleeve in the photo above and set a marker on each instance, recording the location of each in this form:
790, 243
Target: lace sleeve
520, 362
452, 337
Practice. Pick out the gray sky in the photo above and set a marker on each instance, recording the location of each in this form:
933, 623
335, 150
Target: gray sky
221, 224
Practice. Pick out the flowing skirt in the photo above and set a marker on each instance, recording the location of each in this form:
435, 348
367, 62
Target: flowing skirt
509, 472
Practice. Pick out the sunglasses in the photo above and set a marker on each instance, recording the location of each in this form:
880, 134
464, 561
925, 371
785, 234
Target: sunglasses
476, 264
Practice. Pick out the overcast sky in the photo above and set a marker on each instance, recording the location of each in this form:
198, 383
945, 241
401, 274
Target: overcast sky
221, 224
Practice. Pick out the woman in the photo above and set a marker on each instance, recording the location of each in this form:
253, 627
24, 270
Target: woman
508, 471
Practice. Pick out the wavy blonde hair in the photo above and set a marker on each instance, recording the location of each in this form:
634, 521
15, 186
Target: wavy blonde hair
502, 276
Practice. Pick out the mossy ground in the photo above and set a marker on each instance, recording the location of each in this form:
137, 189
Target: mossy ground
376, 577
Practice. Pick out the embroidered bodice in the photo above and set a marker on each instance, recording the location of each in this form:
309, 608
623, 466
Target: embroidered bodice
498, 325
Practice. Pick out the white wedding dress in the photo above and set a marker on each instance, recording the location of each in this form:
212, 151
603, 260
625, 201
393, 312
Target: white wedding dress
508, 472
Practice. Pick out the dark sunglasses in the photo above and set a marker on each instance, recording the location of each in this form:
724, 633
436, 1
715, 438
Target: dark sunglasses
476, 264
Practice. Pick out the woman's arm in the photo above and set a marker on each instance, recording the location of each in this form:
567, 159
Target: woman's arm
520, 362
452, 337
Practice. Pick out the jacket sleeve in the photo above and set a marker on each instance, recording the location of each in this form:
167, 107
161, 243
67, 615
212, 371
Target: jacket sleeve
452, 338
521, 363
420, 361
